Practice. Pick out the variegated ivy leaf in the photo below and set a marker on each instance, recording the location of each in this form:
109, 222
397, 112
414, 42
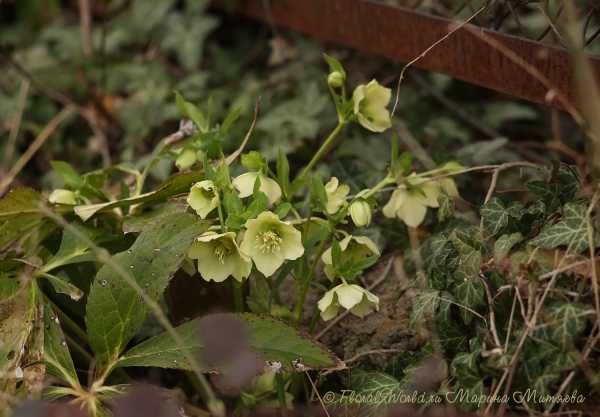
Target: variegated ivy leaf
514, 209
425, 304
572, 228
503, 245
374, 384
566, 321
446, 210
469, 293
450, 335
494, 214
469, 267
567, 182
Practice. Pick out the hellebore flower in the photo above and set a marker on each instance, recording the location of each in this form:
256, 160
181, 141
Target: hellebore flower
61, 196
409, 204
360, 210
336, 195
358, 247
335, 79
370, 103
245, 185
203, 198
269, 241
352, 297
219, 257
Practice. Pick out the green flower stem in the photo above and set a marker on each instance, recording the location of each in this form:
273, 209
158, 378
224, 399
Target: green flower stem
238, 297
325, 145
221, 219
281, 393
387, 180
303, 283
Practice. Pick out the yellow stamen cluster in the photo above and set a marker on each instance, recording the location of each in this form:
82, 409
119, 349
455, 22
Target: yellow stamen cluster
222, 250
268, 241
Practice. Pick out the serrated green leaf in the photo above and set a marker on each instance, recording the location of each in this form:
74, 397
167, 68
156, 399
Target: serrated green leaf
68, 174
138, 222
179, 185
56, 353
469, 293
503, 245
22, 343
271, 339
61, 286
494, 215
23, 200
425, 304
115, 311
73, 250
234, 204
572, 228
252, 160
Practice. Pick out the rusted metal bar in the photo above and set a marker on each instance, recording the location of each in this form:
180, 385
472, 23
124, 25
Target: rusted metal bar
403, 34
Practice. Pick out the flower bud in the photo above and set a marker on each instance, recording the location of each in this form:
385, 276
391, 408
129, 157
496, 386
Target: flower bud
186, 158
61, 196
335, 79
360, 211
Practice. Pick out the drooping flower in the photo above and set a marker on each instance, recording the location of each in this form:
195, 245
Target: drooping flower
245, 185
269, 241
61, 196
350, 296
410, 204
370, 103
336, 195
358, 247
203, 198
219, 257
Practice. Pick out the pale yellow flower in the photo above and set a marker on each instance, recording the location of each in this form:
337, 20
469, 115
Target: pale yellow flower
336, 195
245, 185
370, 106
219, 257
410, 205
352, 297
358, 247
203, 198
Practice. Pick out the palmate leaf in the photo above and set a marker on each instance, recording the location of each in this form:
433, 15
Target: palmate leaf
21, 343
572, 228
377, 385
115, 311
469, 267
272, 340
425, 304
494, 214
446, 210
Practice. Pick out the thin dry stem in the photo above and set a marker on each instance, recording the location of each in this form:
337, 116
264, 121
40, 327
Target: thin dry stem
16, 124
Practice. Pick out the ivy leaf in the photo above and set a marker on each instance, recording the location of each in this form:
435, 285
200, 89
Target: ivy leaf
572, 227
394, 368
115, 312
514, 209
438, 279
446, 210
503, 245
566, 325
425, 304
494, 215
452, 338
272, 340
469, 293
469, 267
371, 383
21, 343
567, 182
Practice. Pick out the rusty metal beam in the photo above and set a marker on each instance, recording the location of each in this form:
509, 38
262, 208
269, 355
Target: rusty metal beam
403, 34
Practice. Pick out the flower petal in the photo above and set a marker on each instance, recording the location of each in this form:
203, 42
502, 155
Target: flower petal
245, 183
330, 312
348, 296
396, 200
270, 188
361, 308
412, 212
266, 262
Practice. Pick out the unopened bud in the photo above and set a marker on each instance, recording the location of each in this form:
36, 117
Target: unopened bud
360, 211
335, 79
